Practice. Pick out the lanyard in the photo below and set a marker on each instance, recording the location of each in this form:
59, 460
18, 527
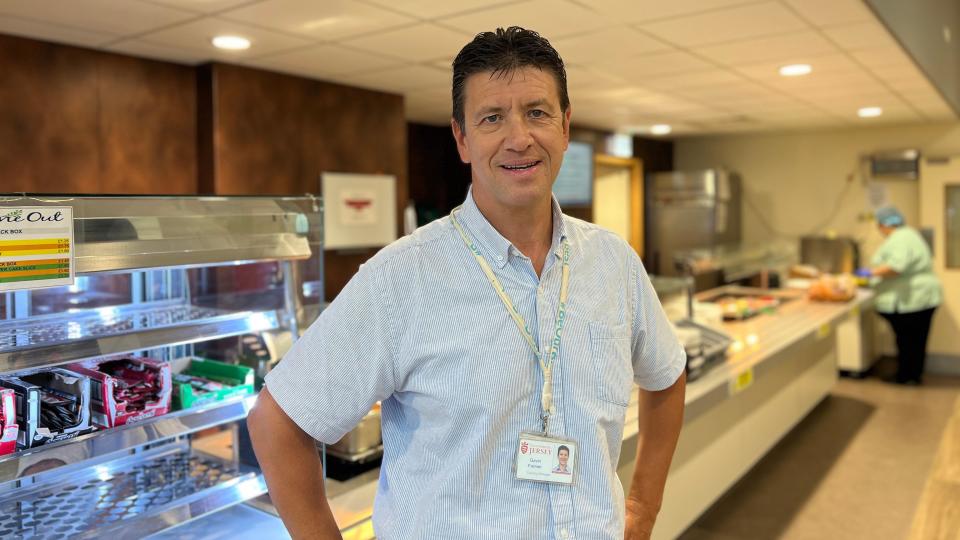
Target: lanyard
546, 364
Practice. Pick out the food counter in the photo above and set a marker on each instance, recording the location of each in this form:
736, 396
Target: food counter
779, 367
118, 377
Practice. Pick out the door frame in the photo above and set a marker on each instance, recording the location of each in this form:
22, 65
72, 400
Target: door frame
635, 166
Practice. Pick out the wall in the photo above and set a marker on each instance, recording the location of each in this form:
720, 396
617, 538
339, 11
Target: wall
81, 121
807, 182
276, 134
438, 179
76, 120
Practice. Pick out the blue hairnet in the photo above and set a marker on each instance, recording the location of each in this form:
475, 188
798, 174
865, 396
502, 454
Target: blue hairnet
889, 216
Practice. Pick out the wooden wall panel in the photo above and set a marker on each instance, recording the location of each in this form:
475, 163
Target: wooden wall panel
148, 126
75, 120
257, 123
48, 117
275, 134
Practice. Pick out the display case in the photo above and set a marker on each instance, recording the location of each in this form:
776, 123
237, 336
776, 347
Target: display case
194, 292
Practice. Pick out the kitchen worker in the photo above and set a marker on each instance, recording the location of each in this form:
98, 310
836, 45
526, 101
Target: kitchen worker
908, 292
492, 336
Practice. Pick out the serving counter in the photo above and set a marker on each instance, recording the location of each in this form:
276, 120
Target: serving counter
779, 367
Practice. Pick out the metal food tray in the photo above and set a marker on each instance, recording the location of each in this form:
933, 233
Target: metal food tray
713, 349
128, 498
57, 339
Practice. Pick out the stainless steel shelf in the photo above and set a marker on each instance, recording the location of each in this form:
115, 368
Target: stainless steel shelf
128, 498
103, 443
57, 339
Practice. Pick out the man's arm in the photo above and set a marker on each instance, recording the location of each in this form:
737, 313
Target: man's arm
291, 465
661, 417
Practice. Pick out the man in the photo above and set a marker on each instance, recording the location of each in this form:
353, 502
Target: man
491, 335
563, 456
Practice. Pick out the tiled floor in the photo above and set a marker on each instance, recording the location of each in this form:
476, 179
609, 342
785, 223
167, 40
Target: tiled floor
855, 468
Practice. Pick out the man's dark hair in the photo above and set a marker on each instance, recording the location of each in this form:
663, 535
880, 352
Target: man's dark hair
563, 447
501, 53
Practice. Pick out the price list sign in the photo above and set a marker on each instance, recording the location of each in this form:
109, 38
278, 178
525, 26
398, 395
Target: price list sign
36, 247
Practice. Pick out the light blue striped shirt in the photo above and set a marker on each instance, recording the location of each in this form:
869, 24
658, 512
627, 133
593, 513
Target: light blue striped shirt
422, 330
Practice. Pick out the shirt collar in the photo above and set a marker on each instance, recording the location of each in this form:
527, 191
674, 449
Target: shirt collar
492, 242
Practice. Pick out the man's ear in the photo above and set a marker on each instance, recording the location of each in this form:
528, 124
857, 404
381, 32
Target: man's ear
461, 138
566, 126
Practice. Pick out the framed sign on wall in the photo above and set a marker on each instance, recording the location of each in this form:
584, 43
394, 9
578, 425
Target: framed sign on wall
360, 210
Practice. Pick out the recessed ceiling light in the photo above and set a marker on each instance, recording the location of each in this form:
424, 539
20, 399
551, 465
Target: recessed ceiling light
231, 43
795, 70
660, 129
869, 112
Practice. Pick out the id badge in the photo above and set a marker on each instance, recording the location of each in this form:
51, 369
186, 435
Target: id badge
545, 459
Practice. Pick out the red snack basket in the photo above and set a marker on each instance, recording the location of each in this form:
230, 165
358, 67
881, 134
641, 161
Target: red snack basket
127, 389
8, 422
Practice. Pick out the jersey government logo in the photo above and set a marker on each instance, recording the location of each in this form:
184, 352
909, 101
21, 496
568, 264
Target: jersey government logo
523, 447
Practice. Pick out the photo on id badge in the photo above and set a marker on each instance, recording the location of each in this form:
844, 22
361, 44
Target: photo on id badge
543, 459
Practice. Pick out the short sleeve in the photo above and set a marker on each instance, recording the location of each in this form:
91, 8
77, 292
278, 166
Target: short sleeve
897, 253
658, 356
342, 364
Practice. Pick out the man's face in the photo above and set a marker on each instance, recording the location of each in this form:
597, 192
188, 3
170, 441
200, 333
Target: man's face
562, 456
514, 136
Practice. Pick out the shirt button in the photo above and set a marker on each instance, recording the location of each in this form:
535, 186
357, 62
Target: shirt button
563, 533
499, 258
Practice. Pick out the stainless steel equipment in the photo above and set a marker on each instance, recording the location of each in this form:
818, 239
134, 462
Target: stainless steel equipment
835, 255
689, 210
157, 276
362, 443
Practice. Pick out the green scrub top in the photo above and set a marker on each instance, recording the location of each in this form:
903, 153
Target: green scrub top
917, 287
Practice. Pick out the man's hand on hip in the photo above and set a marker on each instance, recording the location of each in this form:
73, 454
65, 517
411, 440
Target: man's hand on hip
639, 522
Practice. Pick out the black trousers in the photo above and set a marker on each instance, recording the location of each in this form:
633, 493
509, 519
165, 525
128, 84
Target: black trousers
912, 330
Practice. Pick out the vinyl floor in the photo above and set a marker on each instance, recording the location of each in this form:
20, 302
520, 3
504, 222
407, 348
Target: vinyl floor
862, 465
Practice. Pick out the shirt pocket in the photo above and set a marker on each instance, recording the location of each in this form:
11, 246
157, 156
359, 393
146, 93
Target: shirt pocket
610, 345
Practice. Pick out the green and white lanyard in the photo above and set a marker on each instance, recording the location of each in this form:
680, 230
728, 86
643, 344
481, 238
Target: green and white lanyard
546, 365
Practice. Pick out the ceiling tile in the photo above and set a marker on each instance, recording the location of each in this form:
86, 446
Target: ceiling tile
832, 12
419, 43
402, 79
692, 80
870, 35
432, 9
201, 6
607, 45
582, 79
324, 61
647, 10
783, 49
196, 36
551, 18
824, 66
731, 24
640, 68
120, 18
143, 49
52, 32
882, 56
939, 110
326, 20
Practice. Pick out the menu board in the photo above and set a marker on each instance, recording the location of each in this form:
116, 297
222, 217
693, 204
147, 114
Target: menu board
36, 247
574, 184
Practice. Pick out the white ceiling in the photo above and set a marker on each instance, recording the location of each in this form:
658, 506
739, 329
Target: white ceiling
703, 66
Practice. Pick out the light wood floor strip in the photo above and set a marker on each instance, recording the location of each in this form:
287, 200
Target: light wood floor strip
938, 514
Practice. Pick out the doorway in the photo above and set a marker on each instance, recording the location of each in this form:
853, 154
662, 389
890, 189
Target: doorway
618, 197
